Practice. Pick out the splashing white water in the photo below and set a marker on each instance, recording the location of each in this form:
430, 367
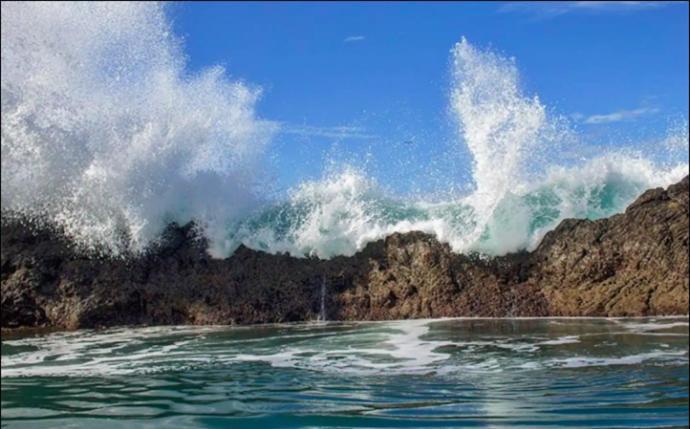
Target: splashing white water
498, 123
105, 135
523, 184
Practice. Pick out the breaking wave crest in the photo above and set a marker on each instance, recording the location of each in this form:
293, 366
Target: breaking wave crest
340, 214
521, 189
106, 135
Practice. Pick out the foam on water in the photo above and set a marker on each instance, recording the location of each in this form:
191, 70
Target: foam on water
446, 347
423, 373
654, 325
106, 135
659, 356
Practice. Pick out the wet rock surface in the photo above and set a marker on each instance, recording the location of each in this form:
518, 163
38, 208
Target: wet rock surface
631, 264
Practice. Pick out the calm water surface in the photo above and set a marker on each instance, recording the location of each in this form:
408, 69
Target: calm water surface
612, 373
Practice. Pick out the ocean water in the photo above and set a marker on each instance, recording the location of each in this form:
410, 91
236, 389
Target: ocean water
607, 373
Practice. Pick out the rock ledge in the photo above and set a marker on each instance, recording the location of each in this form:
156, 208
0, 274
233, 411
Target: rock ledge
631, 264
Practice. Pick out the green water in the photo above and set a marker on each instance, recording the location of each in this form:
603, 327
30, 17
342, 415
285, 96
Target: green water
433, 373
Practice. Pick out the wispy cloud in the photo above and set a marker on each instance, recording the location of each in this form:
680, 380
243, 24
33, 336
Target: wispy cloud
353, 39
336, 132
557, 8
621, 115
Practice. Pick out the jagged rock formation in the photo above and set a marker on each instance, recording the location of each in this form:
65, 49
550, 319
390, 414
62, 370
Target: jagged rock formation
631, 264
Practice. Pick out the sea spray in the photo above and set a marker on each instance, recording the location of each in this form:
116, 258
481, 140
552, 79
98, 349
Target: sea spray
106, 135
497, 122
525, 179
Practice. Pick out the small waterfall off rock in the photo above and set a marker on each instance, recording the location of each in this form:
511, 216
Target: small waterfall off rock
322, 308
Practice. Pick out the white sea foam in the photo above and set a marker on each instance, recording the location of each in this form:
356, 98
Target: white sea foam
385, 348
650, 326
660, 356
568, 339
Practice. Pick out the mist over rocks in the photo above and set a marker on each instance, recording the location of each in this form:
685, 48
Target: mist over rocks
631, 264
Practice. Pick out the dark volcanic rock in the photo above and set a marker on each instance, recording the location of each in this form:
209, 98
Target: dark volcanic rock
634, 263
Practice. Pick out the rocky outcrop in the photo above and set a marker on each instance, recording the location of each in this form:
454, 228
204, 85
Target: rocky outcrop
631, 264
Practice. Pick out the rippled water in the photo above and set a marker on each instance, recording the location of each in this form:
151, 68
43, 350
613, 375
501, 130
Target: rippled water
430, 373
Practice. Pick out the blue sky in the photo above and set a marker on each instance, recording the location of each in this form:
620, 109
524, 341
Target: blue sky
356, 81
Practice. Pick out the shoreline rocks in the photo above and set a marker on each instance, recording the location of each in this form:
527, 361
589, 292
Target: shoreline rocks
631, 264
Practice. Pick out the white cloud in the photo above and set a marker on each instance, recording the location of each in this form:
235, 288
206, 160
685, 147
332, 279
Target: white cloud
336, 132
352, 39
621, 115
557, 8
